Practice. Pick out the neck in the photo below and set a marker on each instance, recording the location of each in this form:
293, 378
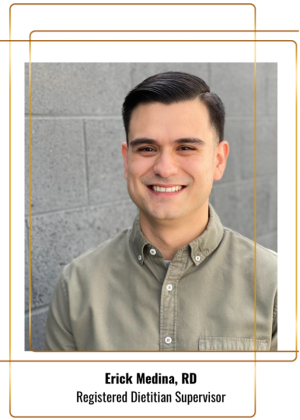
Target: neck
171, 235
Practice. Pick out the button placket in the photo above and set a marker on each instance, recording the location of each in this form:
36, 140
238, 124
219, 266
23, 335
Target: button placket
168, 306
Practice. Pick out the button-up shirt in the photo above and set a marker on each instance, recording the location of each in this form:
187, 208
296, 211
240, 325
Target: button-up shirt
122, 295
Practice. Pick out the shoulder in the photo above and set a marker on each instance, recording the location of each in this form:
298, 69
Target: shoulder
244, 249
233, 237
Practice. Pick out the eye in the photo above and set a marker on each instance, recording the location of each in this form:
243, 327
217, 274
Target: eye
186, 148
146, 149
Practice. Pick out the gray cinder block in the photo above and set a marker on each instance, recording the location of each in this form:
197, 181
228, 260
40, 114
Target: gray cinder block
77, 88
266, 147
105, 162
267, 94
240, 135
266, 205
58, 174
271, 96
234, 83
268, 241
234, 205
58, 238
240, 163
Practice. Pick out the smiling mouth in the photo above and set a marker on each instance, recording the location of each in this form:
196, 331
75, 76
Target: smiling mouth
158, 189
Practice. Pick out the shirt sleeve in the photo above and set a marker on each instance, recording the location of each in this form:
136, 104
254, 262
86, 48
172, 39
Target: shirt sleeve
274, 327
59, 334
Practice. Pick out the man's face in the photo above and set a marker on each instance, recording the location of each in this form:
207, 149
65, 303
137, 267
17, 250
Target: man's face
171, 160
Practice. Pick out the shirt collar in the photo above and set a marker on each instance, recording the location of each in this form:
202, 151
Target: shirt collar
200, 247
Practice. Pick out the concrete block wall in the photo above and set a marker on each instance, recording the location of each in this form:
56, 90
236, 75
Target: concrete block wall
78, 193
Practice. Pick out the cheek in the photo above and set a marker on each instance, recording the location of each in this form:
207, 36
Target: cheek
139, 167
202, 172
195, 168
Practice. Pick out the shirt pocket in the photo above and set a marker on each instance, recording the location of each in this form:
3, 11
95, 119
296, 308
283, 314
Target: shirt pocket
228, 344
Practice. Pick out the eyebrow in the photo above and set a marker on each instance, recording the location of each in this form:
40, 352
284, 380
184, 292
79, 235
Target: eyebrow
145, 140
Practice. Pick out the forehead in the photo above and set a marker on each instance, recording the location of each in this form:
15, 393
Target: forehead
176, 120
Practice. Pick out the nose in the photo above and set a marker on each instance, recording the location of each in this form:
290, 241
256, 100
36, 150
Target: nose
165, 165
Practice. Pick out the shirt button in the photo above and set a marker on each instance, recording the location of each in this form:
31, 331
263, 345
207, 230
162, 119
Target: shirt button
169, 287
168, 340
139, 257
197, 258
152, 251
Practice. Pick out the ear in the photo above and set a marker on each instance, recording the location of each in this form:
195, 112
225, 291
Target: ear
125, 157
221, 154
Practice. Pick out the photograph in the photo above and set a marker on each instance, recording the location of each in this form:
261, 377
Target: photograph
151, 205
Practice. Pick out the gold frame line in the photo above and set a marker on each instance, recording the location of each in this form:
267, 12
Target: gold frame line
132, 4
255, 218
296, 163
9, 223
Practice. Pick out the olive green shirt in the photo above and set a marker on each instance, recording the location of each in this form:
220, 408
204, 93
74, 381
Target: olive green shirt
122, 296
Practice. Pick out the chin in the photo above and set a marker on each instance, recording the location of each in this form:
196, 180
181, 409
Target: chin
164, 216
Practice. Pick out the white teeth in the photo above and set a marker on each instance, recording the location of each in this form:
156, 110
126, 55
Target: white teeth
169, 189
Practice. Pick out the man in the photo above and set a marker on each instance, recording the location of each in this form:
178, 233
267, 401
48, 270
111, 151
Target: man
177, 280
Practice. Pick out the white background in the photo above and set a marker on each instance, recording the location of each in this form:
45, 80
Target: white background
50, 388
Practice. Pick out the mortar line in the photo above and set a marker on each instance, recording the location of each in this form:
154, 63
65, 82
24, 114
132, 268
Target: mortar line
37, 310
243, 181
74, 117
104, 205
